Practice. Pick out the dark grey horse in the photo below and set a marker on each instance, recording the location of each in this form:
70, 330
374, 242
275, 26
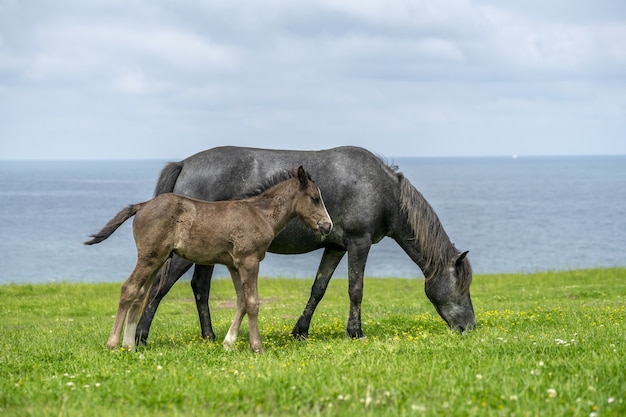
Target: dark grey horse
367, 200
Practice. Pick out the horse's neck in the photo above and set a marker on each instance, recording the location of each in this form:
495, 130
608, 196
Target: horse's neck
430, 252
405, 237
420, 233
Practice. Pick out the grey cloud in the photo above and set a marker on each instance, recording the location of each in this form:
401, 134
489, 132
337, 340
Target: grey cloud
453, 76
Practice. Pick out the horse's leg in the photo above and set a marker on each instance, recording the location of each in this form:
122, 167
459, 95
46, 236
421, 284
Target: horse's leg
162, 285
201, 285
129, 292
328, 264
357, 257
231, 336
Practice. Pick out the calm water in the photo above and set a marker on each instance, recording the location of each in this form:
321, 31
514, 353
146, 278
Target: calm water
522, 215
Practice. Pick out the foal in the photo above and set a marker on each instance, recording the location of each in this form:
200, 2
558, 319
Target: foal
234, 233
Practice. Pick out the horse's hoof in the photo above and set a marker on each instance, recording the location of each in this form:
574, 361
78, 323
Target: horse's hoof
300, 330
300, 336
355, 334
141, 338
210, 338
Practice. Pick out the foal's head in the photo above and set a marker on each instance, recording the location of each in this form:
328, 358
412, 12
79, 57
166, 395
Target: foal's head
310, 206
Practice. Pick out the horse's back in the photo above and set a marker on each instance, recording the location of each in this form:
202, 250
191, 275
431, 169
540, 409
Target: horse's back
230, 172
359, 189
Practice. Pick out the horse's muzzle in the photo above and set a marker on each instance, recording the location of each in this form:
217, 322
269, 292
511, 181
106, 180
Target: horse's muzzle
464, 329
324, 227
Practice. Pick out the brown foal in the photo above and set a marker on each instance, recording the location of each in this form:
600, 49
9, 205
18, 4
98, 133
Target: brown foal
234, 233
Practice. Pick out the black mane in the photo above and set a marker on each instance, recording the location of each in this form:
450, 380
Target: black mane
430, 235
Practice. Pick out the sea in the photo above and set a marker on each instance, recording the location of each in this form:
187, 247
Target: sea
514, 215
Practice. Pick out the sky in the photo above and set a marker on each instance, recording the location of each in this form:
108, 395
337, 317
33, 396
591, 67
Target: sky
154, 79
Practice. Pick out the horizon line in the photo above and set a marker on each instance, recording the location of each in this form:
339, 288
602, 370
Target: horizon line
388, 157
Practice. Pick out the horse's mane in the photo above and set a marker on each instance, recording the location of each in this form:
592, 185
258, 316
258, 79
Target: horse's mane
431, 237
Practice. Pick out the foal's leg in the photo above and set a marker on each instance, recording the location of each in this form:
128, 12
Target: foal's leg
328, 264
178, 266
134, 313
231, 336
129, 292
249, 282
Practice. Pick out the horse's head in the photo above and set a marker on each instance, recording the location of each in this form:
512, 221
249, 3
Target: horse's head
448, 290
310, 206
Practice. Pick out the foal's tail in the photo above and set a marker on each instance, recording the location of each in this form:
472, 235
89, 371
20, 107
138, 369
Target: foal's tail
165, 184
113, 224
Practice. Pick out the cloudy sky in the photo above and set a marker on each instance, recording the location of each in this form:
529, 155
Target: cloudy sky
102, 79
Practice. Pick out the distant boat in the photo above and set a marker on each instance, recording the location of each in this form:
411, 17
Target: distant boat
515, 156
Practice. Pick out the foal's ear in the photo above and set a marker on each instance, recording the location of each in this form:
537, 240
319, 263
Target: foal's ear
302, 176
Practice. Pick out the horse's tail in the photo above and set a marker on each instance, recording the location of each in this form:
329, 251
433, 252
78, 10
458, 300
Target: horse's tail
168, 178
113, 224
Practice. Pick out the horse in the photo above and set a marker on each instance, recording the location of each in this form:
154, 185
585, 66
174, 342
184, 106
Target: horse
368, 200
234, 233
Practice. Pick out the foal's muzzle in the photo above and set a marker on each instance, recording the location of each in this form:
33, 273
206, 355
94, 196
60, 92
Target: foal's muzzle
325, 227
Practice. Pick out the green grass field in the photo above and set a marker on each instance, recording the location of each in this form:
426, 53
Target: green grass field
546, 344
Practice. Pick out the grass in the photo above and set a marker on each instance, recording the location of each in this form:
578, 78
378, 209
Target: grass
546, 344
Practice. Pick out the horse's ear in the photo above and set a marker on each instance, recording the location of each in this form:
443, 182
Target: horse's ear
302, 176
459, 258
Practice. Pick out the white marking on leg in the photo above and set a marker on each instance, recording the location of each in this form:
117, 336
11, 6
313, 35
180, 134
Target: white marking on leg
229, 341
129, 336
231, 336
